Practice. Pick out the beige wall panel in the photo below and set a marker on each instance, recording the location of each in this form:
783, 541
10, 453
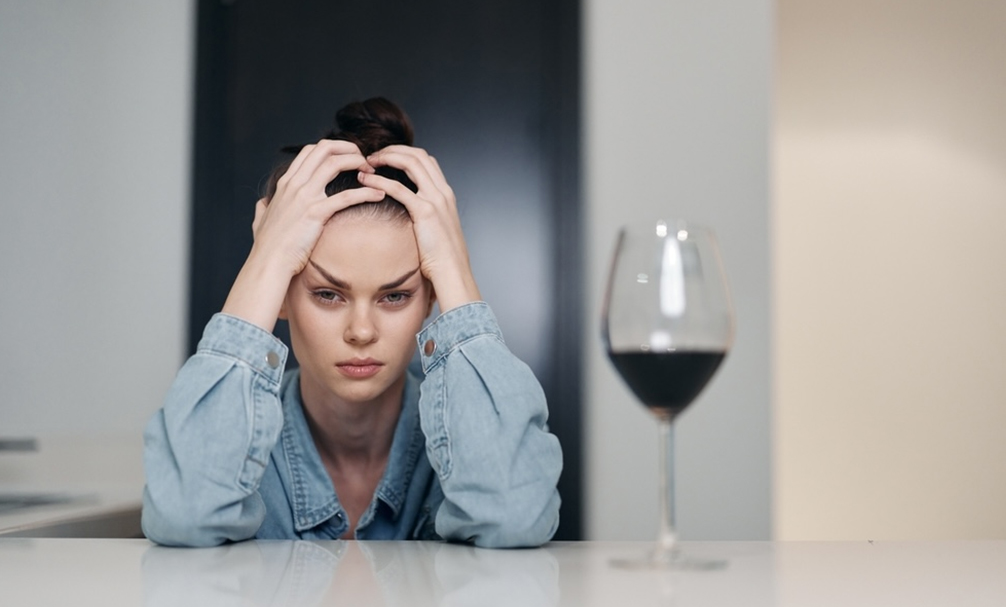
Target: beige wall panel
890, 261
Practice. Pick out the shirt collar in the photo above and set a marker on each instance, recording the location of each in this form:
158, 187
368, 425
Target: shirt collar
312, 495
406, 447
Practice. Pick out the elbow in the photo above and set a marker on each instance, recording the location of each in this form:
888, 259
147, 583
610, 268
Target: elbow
181, 526
166, 532
518, 535
177, 530
513, 505
504, 525
523, 529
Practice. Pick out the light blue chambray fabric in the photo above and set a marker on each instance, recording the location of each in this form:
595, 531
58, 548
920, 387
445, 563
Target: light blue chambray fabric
230, 457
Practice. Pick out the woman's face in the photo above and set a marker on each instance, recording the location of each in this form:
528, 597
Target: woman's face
356, 308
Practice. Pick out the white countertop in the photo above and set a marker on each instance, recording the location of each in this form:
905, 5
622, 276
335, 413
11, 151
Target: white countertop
757, 574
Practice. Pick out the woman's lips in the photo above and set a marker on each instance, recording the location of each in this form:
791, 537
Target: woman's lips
359, 368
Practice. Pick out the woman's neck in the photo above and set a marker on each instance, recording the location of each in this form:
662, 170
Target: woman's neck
351, 433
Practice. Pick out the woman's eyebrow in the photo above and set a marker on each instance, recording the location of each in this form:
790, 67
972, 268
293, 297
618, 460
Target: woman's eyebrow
394, 284
345, 285
332, 279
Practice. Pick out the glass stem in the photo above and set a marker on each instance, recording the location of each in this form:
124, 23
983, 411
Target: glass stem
668, 537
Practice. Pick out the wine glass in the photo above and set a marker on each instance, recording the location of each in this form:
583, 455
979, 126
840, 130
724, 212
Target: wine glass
667, 325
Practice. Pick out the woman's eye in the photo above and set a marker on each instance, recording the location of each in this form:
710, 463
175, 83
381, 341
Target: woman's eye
326, 296
397, 298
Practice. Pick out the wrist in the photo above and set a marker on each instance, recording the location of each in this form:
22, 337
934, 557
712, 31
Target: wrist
456, 293
259, 290
272, 265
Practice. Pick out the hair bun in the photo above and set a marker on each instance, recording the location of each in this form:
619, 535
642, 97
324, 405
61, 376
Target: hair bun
372, 125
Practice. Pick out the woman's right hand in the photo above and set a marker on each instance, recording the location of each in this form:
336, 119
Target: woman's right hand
287, 227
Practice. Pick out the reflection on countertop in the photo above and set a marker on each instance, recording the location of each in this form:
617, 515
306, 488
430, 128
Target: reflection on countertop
113, 573
304, 573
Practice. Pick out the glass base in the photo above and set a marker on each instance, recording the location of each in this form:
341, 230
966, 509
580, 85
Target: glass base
669, 561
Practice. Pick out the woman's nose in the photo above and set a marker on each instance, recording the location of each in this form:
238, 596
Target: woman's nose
361, 328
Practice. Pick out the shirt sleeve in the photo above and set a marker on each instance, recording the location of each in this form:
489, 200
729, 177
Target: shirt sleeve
484, 416
206, 449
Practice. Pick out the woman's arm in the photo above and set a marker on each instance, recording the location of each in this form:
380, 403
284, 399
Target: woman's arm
484, 416
481, 408
205, 451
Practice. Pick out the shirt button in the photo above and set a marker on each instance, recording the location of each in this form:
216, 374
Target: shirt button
273, 359
429, 347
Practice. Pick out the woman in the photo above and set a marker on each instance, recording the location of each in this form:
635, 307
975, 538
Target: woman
354, 244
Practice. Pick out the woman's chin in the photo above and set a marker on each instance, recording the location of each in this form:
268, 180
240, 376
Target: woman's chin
362, 391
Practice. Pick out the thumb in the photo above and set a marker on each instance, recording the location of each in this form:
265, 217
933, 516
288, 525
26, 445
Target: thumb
260, 207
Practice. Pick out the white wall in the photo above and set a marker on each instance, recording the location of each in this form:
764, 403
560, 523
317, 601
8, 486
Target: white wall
94, 162
677, 123
890, 260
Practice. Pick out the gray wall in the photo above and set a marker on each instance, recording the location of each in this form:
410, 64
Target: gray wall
94, 148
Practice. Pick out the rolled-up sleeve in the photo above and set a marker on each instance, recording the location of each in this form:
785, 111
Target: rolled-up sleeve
484, 416
206, 449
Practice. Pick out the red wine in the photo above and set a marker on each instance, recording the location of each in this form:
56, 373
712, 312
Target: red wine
669, 381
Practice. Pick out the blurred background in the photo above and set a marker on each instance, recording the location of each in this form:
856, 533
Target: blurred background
850, 155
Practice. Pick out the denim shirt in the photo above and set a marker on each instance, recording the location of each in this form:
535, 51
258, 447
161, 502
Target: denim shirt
230, 456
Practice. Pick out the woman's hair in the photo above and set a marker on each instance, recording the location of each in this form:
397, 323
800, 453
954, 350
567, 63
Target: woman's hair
372, 125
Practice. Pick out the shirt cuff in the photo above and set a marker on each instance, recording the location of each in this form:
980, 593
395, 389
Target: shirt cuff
236, 338
452, 329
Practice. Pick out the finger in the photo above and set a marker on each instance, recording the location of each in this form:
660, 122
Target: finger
422, 169
397, 190
437, 174
407, 159
348, 198
387, 155
260, 207
297, 161
333, 165
320, 152
432, 168
315, 156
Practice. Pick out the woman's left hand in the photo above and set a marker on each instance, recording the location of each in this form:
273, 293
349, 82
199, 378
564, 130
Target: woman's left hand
443, 254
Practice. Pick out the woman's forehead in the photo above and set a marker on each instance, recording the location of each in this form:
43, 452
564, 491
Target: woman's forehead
365, 248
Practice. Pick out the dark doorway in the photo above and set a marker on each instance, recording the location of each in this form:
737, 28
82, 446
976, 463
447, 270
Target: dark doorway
493, 91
